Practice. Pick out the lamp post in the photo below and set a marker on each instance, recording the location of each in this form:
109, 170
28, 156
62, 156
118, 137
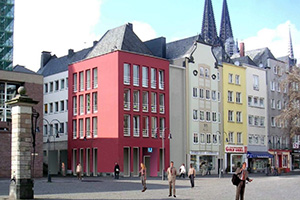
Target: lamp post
48, 141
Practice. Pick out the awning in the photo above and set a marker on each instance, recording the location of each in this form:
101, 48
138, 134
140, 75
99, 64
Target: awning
259, 154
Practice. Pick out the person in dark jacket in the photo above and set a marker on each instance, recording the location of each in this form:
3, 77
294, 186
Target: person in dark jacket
243, 175
117, 170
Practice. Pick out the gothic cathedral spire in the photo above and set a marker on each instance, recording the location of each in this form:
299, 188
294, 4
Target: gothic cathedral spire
209, 31
291, 52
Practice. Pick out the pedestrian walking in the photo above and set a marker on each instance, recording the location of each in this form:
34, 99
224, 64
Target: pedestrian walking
79, 171
243, 175
172, 172
63, 169
192, 174
182, 171
143, 176
117, 170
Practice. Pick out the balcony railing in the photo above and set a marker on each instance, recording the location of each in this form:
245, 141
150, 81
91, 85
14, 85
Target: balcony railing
162, 109
154, 133
145, 107
153, 84
81, 134
161, 85
74, 88
136, 81
136, 132
145, 132
145, 82
74, 111
127, 131
153, 108
95, 108
74, 135
88, 85
126, 105
126, 80
136, 106
88, 109
95, 84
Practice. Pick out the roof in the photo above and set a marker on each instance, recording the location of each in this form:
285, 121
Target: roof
20, 68
260, 56
120, 38
244, 60
56, 65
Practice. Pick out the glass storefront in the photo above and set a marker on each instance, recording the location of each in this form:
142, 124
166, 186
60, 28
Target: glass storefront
204, 164
236, 161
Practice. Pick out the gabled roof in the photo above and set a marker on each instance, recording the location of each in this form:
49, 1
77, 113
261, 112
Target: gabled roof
244, 60
20, 68
56, 65
260, 56
180, 48
120, 38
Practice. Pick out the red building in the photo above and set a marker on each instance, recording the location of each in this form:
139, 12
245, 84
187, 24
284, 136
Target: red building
119, 107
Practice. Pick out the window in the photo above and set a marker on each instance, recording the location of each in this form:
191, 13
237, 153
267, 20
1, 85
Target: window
208, 116
145, 77
81, 128
272, 84
278, 87
126, 125
45, 129
279, 105
62, 84
219, 96
75, 105
67, 104
46, 88
239, 138
202, 139
51, 86
214, 95
230, 137
161, 78
262, 121
95, 127
67, 79
162, 127
154, 127
208, 138
201, 72
87, 127
195, 92
250, 138
230, 78
239, 116
81, 107
238, 97
74, 82
51, 107
153, 102
230, 96
215, 139
206, 73
207, 94
88, 79
136, 100
255, 101
161, 103
201, 93
262, 140
56, 85
201, 115
256, 139
81, 81
196, 138
249, 101
256, 120
136, 75
88, 103
255, 82
62, 105
126, 99
66, 129
218, 76
95, 102
261, 102
273, 103
74, 129
145, 126
214, 116
237, 79
45, 108
195, 114
95, 78
126, 74
145, 101
230, 115
275, 69
136, 126
250, 119
153, 78
273, 122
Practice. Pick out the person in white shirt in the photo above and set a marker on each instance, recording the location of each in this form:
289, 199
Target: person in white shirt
182, 171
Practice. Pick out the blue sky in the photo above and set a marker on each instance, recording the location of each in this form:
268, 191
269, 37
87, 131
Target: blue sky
58, 25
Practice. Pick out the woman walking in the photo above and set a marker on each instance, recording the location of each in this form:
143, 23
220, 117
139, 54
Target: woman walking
192, 174
143, 176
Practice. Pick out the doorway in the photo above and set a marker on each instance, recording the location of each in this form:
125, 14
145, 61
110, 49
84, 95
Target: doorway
95, 161
87, 162
147, 164
135, 161
126, 164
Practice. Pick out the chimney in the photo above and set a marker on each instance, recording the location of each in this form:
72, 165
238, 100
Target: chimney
95, 42
242, 49
45, 57
70, 53
130, 26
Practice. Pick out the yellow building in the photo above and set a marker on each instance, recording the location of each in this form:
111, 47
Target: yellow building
234, 115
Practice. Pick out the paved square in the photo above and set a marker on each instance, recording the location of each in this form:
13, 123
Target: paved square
207, 188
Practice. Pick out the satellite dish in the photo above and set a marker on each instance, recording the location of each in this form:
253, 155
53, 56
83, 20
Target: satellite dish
237, 63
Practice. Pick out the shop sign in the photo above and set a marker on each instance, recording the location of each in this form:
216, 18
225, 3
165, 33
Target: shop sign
235, 149
150, 150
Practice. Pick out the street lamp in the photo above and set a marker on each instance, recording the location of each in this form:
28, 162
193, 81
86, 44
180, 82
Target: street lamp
163, 151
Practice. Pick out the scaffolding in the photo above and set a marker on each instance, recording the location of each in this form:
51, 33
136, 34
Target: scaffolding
6, 34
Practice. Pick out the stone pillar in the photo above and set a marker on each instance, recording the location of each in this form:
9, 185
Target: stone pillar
21, 186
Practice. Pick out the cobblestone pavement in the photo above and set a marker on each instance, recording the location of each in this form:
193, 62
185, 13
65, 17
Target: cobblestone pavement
206, 188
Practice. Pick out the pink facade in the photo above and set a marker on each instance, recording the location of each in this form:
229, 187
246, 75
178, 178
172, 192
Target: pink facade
118, 108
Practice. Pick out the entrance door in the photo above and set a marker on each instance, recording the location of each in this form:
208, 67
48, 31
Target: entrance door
147, 164
126, 164
135, 161
95, 161
74, 161
87, 162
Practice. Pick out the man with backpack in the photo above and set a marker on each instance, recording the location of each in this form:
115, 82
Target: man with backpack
243, 175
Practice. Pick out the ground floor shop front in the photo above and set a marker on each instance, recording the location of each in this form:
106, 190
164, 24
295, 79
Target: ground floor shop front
235, 155
204, 162
258, 161
296, 159
281, 160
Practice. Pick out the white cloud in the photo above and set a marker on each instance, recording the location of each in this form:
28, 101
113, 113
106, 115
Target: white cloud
143, 30
55, 26
277, 40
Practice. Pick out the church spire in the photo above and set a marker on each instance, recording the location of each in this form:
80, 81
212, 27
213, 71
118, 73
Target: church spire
209, 31
225, 28
291, 52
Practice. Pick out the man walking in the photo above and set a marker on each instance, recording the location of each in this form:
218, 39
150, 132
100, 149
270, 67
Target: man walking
240, 188
182, 171
172, 172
